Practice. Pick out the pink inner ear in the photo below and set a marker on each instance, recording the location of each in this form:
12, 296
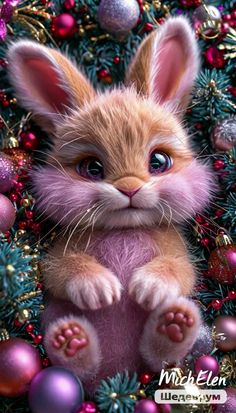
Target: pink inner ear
45, 84
171, 66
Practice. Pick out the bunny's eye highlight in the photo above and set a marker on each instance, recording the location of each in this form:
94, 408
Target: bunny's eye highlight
91, 168
159, 162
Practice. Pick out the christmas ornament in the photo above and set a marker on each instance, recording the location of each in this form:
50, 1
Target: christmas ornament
20, 362
6, 13
7, 173
88, 407
118, 16
145, 378
226, 326
55, 389
146, 406
28, 141
230, 405
63, 26
204, 343
223, 137
222, 261
207, 363
69, 4
21, 159
7, 213
214, 57
207, 21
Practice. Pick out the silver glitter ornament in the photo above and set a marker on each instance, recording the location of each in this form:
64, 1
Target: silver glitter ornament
223, 137
204, 343
118, 16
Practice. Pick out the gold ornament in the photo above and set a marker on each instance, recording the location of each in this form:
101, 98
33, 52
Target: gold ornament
228, 367
230, 44
4, 335
10, 269
23, 315
12, 142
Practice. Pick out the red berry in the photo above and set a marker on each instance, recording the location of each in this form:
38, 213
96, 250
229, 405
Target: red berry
148, 27
13, 197
29, 214
69, 4
205, 242
38, 339
102, 73
218, 164
232, 295
145, 378
5, 103
116, 60
227, 17
29, 328
22, 224
28, 141
216, 304
35, 227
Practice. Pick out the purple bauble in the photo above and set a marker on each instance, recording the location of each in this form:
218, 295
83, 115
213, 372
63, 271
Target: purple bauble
7, 173
204, 343
7, 213
118, 16
146, 406
226, 325
230, 405
19, 362
55, 390
208, 363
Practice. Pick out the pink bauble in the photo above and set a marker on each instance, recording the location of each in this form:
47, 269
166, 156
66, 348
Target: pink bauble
226, 325
7, 172
146, 406
63, 26
7, 213
208, 363
230, 405
88, 407
19, 362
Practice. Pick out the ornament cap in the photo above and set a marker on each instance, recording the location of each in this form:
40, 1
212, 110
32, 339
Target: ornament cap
223, 239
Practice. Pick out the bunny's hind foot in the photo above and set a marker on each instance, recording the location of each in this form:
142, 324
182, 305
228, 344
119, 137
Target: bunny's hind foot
170, 332
72, 342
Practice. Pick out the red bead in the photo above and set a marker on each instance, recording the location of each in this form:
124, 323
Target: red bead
29, 214
5, 103
227, 17
29, 328
46, 362
148, 27
233, 14
200, 219
39, 286
225, 27
14, 197
7, 234
232, 90
219, 213
19, 186
232, 295
216, 304
69, 4
145, 378
215, 57
35, 227
102, 73
22, 225
38, 339
218, 164
28, 141
116, 60
205, 242
17, 323
199, 126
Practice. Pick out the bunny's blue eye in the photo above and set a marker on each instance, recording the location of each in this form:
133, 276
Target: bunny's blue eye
159, 162
91, 168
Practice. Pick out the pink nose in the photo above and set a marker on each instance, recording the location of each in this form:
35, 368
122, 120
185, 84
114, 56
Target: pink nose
128, 193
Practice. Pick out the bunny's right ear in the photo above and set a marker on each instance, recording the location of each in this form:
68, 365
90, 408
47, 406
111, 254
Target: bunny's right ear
45, 81
167, 64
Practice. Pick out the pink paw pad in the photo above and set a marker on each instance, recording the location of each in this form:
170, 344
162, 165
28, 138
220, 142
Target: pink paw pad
70, 338
175, 324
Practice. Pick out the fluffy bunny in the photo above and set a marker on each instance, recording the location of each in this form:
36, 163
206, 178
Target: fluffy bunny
119, 179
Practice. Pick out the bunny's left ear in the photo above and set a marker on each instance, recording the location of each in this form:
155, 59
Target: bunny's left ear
167, 64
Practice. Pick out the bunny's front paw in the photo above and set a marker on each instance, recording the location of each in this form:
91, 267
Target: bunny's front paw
94, 290
149, 289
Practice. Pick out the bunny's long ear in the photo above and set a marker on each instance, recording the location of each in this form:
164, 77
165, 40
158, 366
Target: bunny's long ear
45, 81
166, 64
